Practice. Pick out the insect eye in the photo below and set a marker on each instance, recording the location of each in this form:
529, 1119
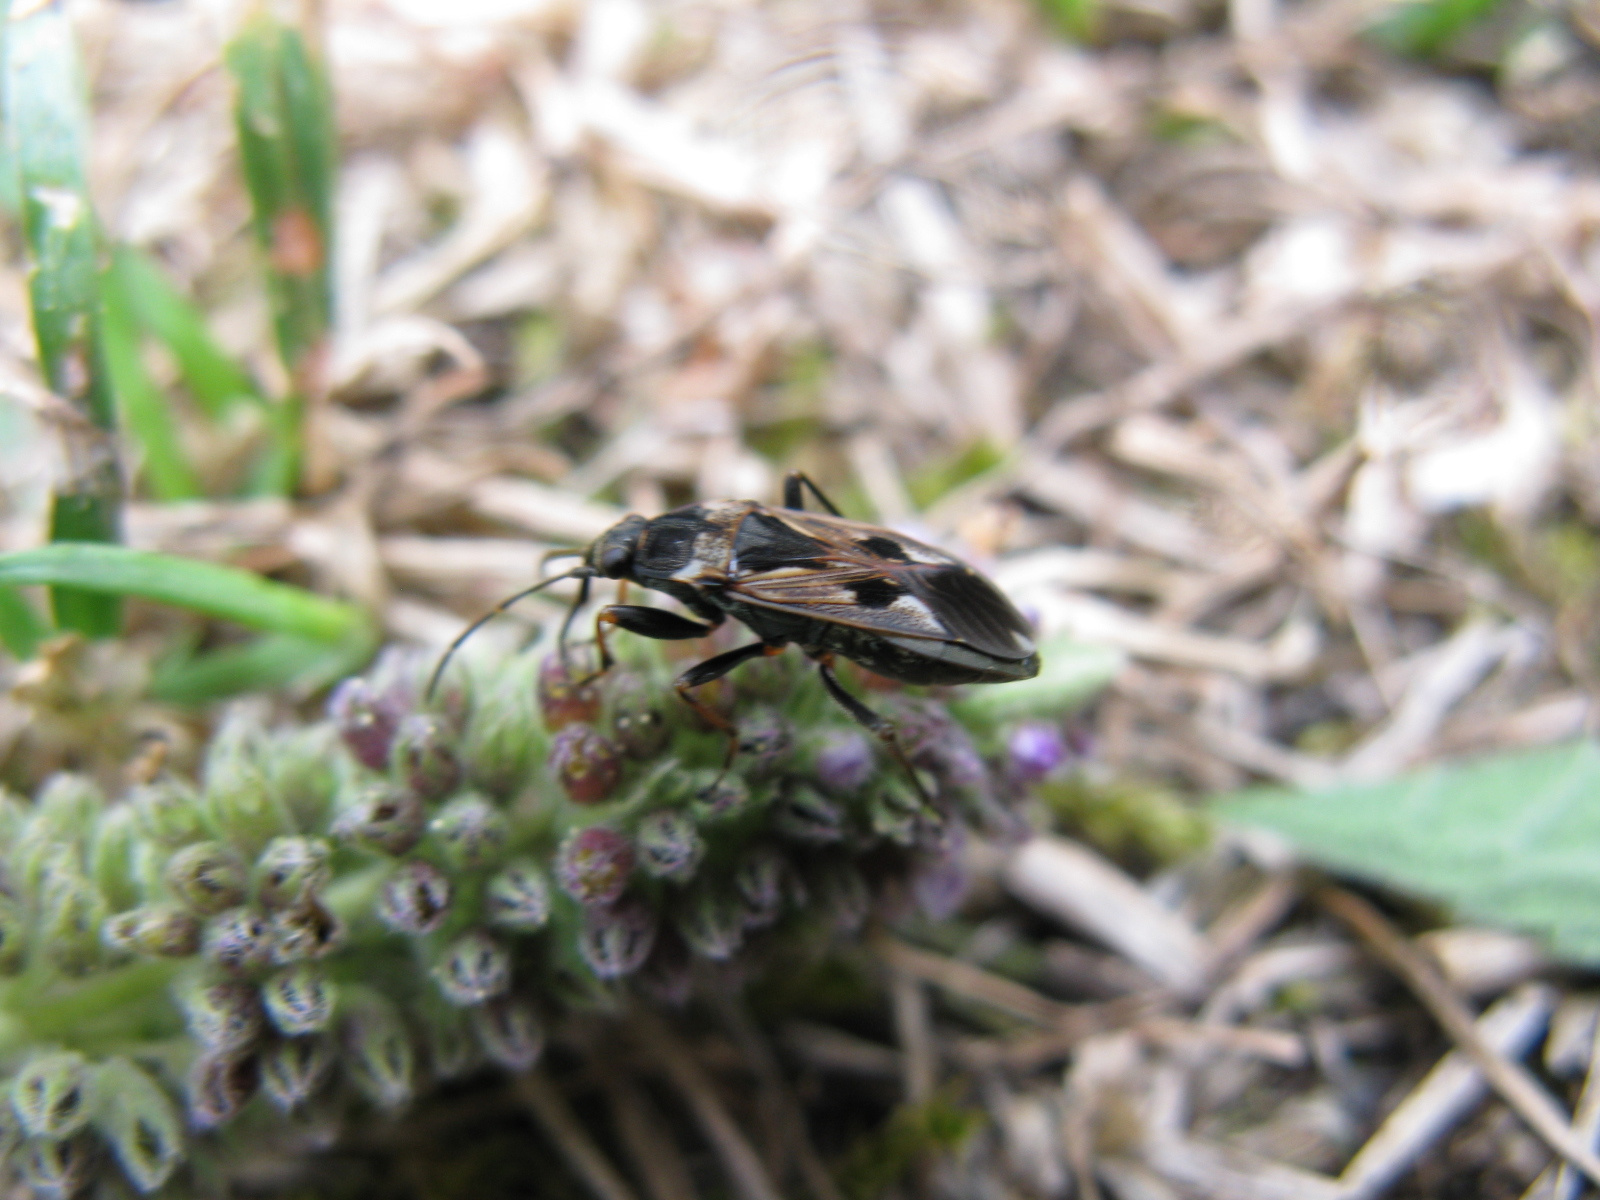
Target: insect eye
614, 561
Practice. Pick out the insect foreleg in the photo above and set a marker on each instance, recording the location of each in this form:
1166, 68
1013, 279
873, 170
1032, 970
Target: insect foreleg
793, 496
566, 623
647, 622
875, 723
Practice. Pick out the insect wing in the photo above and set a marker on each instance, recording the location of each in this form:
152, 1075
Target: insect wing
849, 573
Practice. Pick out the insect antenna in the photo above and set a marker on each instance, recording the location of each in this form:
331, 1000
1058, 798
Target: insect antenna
583, 573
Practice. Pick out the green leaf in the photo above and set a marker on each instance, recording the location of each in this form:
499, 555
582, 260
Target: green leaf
215, 380
21, 628
47, 135
1513, 839
1425, 29
284, 116
265, 664
202, 587
144, 408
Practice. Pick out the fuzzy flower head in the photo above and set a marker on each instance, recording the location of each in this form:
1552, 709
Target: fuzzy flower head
593, 865
586, 763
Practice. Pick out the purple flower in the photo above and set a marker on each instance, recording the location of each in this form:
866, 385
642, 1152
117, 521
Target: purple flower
593, 865
587, 764
416, 899
846, 761
1034, 750
365, 720
566, 697
669, 845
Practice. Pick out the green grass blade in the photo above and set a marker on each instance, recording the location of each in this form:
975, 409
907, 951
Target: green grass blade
47, 123
284, 118
146, 414
269, 663
1426, 28
21, 628
201, 587
214, 378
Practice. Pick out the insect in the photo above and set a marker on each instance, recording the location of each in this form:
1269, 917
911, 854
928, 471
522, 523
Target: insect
830, 585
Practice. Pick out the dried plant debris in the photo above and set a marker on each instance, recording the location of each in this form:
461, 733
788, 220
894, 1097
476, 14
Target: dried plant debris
1249, 347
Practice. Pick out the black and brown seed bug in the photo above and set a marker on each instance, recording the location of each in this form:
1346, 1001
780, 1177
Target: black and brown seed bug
831, 586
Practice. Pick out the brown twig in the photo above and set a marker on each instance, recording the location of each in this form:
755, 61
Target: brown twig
561, 1126
655, 1158
739, 1159
790, 1118
1515, 1086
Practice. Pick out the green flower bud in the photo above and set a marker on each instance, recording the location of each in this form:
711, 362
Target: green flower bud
424, 756
139, 1122
72, 914
299, 1000
52, 1170
518, 898
449, 1037
766, 740
246, 813
53, 1095
510, 1033
238, 940
711, 921
300, 767
806, 815
378, 1053
307, 932
219, 1084
842, 892
383, 818
158, 930
225, 1018
207, 876
720, 796
764, 881
895, 813
294, 1069
471, 832
13, 937
292, 870
616, 940
669, 846
638, 725
169, 812
474, 968
112, 864
68, 806
416, 899
504, 736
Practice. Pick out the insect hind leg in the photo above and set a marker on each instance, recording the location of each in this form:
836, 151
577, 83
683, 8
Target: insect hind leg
794, 485
872, 722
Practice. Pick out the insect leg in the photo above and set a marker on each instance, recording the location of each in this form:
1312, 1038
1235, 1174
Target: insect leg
875, 723
715, 668
793, 497
647, 622
566, 623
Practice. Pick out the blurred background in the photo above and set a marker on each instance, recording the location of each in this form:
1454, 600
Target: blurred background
1250, 343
